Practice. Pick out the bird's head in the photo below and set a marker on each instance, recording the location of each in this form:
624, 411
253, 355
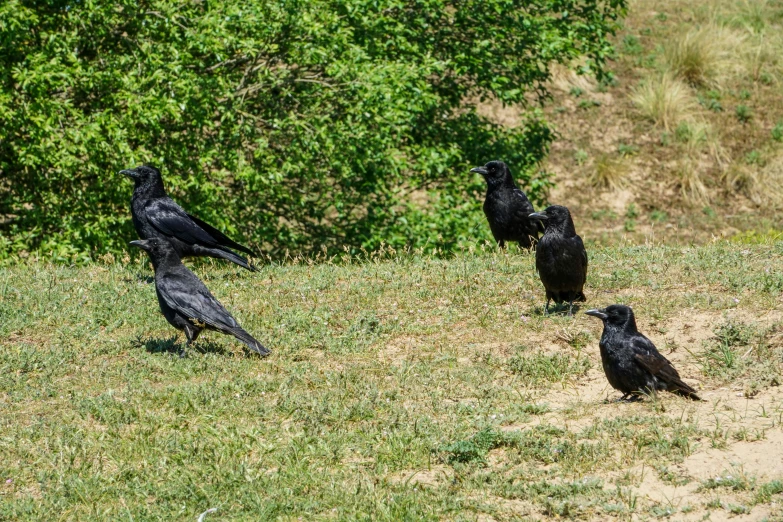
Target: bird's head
157, 249
494, 172
555, 217
144, 175
615, 315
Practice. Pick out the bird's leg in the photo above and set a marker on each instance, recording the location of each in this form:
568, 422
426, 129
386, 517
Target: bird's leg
571, 308
502, 243
546, 307
191, 332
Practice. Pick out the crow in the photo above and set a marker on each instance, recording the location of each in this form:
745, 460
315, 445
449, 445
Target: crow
631, 362
561, 258
156, 215
507, 208
184, 300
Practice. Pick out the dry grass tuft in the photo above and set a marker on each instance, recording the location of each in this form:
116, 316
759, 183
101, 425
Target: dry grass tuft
609, 173
690, 182
763, 185
664, 100
702, 56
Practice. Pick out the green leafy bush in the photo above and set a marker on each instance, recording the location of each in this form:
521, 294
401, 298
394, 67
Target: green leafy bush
292, 125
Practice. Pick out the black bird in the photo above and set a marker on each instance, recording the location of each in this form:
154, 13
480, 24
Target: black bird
507, 208
156, 215
184, 300
561, 258
631, 362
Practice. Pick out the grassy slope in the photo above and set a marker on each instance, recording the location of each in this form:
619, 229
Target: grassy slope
400, 386
711, 168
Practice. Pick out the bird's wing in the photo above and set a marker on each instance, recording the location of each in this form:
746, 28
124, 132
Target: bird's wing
221, 237
170, 219
525, 209
650, 358
662, 369
584, 254
187, 294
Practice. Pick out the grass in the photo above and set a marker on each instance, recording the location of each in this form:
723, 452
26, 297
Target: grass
401, 387
700, 56
695, 84
609, 173
664, 100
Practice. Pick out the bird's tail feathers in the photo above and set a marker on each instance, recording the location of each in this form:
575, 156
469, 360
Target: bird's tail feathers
251, 342
234, 258
682, 389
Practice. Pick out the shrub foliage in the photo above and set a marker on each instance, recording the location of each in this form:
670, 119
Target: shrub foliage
294, 125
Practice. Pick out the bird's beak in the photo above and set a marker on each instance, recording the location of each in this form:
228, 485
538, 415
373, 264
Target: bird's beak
129, 173
539, 215
597, 313
140, 243
480, 170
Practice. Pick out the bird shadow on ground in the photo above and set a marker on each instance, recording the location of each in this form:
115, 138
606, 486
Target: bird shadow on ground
172, 346
147, 280
555, 309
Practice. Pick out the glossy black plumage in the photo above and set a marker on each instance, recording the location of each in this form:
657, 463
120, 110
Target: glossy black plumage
157, 215
631, 362
507, 207
185, 301
561, 258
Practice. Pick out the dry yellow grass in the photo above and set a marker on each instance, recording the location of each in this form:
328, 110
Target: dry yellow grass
691, 182
664, 100
701, 57
609, 173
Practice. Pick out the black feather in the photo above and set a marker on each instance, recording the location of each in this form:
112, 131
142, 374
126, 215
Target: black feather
631, 362
157, 215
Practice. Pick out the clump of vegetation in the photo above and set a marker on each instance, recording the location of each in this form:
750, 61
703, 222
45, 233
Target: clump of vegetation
664, 100
313, 122
609, 173
700, 56
691, 183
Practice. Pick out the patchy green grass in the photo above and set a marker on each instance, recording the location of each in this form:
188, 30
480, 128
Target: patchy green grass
400, 387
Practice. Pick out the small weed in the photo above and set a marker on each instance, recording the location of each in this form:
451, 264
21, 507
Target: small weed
588, 104
765, 493
627, 150
738, 509
659, 216
576, 91
473, 450
743, 113
777, 131
710, 104
721, 357
753, 157
744, 94
735, 482
581, 156
632, 45
669, 477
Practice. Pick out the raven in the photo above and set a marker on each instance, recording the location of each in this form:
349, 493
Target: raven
156, 215
507, 208
561, 258
184, 300
631, 362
